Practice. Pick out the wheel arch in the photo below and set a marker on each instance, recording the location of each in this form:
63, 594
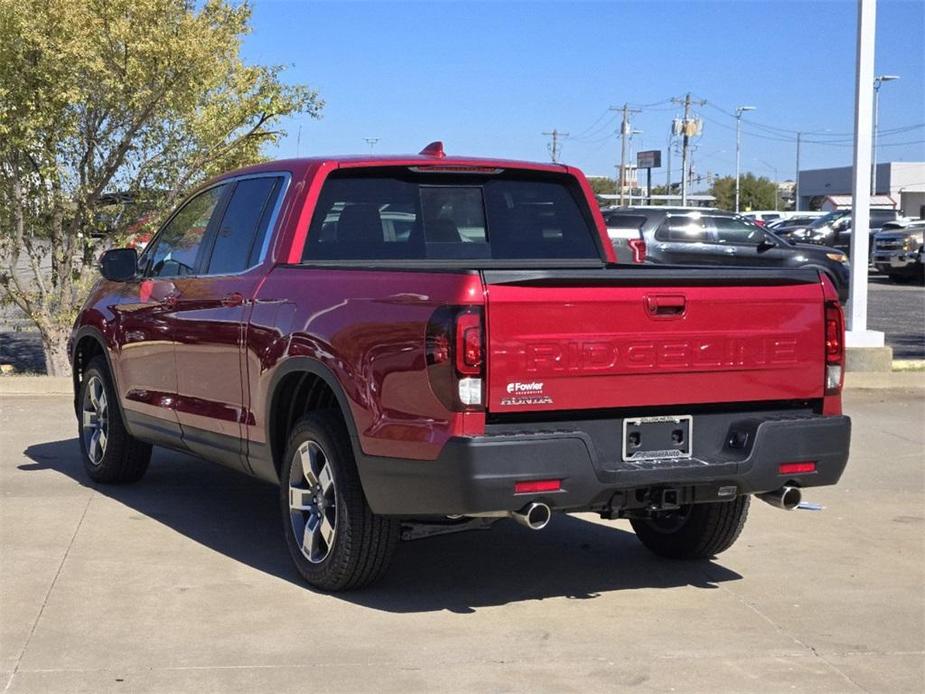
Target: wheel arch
299, 385
88, 343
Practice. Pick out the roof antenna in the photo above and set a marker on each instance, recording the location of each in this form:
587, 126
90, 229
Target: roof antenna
434, 149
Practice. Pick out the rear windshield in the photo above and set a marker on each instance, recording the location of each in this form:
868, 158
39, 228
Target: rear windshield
403, 215
623, 221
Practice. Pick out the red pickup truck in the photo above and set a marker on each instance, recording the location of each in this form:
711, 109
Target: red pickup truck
421, 344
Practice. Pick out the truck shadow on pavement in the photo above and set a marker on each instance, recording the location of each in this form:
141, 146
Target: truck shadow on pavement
239, 517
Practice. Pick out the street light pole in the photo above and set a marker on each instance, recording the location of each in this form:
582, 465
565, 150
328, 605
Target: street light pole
878, 81
739, 111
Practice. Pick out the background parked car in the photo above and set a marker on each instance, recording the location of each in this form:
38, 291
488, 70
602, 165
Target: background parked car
764, 217
794, 221
834, 229
684, 236
898, 251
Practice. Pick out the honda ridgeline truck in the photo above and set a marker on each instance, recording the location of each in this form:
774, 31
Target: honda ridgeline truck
421, 344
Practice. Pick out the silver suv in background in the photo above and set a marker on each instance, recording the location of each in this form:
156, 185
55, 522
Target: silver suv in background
898, 251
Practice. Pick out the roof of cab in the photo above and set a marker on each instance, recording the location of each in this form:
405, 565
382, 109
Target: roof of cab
431, 156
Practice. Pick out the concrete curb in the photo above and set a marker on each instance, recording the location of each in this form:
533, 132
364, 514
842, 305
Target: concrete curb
854, 380
872, 380
36, 385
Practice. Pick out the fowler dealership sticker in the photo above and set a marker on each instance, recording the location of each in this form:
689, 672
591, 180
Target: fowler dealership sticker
525, 394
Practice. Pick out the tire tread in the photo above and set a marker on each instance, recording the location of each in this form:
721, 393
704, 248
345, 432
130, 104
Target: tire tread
711, 529
126, 459
365, 542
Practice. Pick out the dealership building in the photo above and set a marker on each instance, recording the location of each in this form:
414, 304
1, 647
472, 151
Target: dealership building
900, 186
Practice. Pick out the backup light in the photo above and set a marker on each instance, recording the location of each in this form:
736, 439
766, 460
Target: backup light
833, 376
470, 391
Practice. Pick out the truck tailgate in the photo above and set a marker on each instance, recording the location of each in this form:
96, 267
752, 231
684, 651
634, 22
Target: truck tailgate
620, 337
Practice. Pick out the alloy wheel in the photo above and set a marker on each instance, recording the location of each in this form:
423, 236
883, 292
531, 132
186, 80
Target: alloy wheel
95, 420
312, 502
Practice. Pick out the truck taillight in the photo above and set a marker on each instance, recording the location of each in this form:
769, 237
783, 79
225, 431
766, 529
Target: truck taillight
638, 247
469, 356
455, 352
834, 347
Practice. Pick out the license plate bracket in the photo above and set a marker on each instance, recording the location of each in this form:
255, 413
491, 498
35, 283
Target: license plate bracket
666, 437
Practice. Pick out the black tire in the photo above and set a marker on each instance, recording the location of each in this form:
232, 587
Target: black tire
361, 543
698, 531
123, 459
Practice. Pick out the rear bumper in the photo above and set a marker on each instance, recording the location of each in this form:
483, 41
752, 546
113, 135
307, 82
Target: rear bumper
477, 474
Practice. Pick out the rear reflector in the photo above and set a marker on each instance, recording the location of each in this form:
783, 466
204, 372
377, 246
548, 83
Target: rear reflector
796, 468
534, 486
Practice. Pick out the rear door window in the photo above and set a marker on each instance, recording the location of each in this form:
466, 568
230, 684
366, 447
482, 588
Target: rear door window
624, 221
239, 237
404, 215
683, 229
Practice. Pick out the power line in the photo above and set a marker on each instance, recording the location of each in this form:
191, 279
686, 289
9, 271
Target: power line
595, 132
586, 131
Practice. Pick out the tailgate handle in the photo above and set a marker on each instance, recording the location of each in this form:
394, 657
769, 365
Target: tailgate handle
666, 305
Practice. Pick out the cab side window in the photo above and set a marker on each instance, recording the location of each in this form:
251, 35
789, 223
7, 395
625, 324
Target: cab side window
178, 246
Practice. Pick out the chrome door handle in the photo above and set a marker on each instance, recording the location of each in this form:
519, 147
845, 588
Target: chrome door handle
729, 251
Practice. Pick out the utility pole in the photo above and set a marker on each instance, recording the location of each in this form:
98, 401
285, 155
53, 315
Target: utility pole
689, 127
668, 172
739, 111
553, 146
625, 131
796, 186
371, 141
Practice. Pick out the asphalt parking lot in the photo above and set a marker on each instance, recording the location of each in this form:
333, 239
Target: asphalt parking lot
182, 583
899, 311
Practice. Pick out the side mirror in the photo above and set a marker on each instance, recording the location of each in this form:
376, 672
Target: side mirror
766, 244
119, 264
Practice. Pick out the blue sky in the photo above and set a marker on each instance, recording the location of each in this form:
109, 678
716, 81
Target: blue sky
489, 78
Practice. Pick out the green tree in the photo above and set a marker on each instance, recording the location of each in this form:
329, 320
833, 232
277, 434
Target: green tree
754, 193
601, 185
103, 96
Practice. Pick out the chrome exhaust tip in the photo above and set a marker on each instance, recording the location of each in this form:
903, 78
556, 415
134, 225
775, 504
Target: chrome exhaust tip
786, 498
534, 516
